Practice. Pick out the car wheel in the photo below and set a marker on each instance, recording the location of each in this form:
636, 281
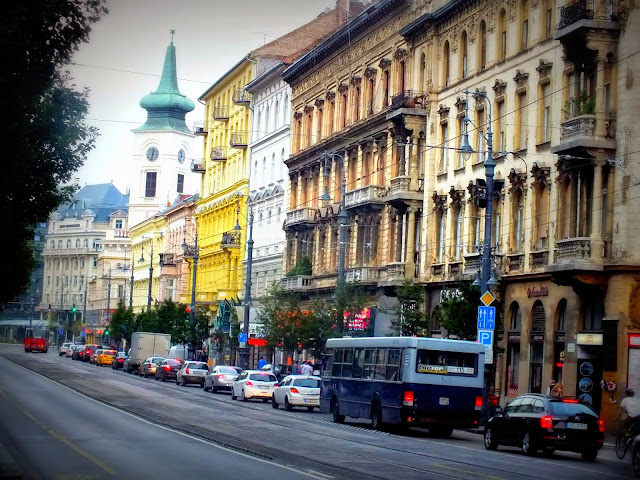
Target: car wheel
635, 461
376, 417
590, 455
528, 447
273, 401
265, 400
233, 395
287, 405
204, 385
242, 397
489, 442
214, 389
335, 410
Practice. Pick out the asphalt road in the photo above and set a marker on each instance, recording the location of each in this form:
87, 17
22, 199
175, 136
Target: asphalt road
33, 410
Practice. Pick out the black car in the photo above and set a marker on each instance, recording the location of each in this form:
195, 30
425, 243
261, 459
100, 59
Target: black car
78, 352
118, 362
535, 422
168, 369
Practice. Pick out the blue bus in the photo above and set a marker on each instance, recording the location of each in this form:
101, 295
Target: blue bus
406, 381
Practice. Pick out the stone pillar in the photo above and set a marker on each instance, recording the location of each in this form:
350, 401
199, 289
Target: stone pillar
597, 243
411, 233
299, 193
401, 145
413, 162
399, 228
601, 131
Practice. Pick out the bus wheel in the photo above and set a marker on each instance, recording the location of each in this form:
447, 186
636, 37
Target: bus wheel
376, 417
337, 418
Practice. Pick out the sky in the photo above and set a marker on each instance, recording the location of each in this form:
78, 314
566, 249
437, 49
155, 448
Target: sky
122, 62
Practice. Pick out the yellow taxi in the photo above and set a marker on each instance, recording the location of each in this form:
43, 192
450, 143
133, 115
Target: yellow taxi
106, 357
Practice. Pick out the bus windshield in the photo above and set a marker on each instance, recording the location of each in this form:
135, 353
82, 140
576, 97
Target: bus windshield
446, 363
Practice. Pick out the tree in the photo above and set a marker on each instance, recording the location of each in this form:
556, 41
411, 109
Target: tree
123, 323
409, 318
280, 318
46, 140
172, 318
147, 321
302, 267
200, 331
460, 312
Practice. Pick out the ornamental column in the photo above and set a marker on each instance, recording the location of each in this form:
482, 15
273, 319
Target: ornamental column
597, 244
411, 245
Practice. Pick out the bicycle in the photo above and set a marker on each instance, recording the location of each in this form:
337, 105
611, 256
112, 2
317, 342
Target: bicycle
623, 442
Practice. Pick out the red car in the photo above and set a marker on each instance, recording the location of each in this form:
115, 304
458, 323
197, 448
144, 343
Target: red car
35, 340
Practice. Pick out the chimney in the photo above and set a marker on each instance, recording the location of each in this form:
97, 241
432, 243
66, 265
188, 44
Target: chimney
342, 9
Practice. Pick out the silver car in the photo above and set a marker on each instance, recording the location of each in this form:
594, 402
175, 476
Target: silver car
63, 348
221, 377
297, 391
192, 372
254, 384
149, 366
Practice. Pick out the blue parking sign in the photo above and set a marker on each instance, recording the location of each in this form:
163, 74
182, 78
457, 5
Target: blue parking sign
486, 318
242, 338
485, 337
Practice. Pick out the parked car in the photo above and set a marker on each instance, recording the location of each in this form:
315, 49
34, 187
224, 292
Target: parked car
168, 369
192, 372
254, 384
78, 352
276, 370
105, 357
89, 351
221, 377
70, 349
118, 361
149, 366
62, 350
94, 355
297, 391
535, 422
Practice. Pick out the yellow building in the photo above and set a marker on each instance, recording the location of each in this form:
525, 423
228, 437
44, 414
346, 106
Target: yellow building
221, 211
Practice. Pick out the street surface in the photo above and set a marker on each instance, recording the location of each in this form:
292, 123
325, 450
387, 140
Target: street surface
161, 430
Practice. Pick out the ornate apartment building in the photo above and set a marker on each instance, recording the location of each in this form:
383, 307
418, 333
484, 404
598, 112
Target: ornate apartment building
385, 96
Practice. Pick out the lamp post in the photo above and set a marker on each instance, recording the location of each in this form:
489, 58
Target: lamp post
244, 351
150, 274
343, 221
192, 314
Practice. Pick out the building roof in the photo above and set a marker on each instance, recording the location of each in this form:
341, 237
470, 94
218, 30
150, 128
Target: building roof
100, 200
166, 107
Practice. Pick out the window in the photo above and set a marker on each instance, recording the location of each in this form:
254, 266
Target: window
331, 113
524, 28
48, 280
541, 220
53, 244
441, 234
445, 150
463, 54
502, 35
482, 44
385, 88
345, 105
118, 223
95, 261
446, 363
85, 244
371, 94
460, 137
548, 22
150, 184
522, 121
356, 101
320, 122
68, 243
480, 131
180, 186
546, 113
445, 64
502, 127
59, 244
458, 233
518, 224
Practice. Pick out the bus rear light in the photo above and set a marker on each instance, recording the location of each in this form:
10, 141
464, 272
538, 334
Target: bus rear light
478, 403
409, 419
408, 399
546, 422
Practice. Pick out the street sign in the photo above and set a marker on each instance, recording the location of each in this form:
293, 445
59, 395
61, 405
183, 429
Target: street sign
242, 338
487, 298
486, 338
60, 331
486, 318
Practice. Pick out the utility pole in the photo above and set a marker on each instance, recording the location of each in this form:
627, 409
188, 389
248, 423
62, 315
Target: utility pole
192, 322
150, 278
244, 351
131, 284
109, 298
84, 304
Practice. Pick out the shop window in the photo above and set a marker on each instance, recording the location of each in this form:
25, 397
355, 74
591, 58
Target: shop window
593, 311
535, 367
513, 350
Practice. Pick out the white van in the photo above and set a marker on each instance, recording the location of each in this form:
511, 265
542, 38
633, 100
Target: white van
181, 352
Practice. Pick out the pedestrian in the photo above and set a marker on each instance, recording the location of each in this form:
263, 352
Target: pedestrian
261, 363
630, 407
306, 369
550, 387
296, 369
556, 391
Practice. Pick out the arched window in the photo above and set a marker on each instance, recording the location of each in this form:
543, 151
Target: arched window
285, 109
445, 64
268, 216
524, 24
264, 170
267, 120
276, 116
273, 165
513, 350
279, 211
255, 171
463, 54
53, 244
459, 219
441, 235
78, 243
259, 124
502, 35
482, 45
423, 73
68, 243
59, 244
85, 243
281, 166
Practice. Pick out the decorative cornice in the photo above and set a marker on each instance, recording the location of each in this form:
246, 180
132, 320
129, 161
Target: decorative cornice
461, 104
443, 112
331, 95
457, 196
517, 180
544, 69
499, 87
385, 64
370, 72
319, 102
521, 78
401, 54
343, 88
541, 176
563, 167
439, 202
356, 80
308, 109
297, 115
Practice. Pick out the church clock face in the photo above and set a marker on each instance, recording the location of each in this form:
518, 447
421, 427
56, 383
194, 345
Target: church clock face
181, 155
152, 154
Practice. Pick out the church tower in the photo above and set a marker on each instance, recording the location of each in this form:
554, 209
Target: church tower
162, 148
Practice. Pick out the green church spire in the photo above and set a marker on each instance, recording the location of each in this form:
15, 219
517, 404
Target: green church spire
166, 107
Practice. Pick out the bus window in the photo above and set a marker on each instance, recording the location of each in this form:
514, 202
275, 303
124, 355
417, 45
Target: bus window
381, 364
358, 363
446, 363
329, 363
393, 364
347, 365
369, 364
28, 333
336, 367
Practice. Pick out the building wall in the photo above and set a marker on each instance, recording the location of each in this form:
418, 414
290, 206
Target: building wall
148, 241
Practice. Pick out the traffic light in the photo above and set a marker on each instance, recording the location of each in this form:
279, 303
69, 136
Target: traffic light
106, 332
73, 308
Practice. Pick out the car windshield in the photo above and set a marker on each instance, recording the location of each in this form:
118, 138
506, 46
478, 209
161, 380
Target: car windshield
230, 370
98, 352
157, 360
565, 408
109, 352
174, 362
198, 366
306, 382
121, 355
262, 377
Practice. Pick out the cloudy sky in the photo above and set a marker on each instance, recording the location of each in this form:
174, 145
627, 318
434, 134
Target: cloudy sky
123, 61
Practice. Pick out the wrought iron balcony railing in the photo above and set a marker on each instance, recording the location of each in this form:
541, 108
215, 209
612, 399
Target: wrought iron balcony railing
220, 113
409, 99
239, 139
199, 128
578, 10
241, 97
231, 239
198, 165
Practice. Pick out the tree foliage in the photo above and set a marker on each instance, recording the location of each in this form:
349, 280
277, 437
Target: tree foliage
123, 323
460, 312
302, 267
45, 139
409, 317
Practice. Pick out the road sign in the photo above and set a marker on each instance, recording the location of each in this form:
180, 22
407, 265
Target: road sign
486, 318
486, 338
487, 298
242, 338
60, 331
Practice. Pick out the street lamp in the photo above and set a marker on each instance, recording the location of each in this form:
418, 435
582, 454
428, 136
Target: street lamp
192, 314
244, 351
150, 273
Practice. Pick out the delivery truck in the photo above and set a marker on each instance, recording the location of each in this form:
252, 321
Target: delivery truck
147, 344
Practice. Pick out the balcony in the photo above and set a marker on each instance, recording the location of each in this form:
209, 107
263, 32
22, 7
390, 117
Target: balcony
472, 263
231, 239
239, 139
515, 262
437, 270
538, 260
409, 99
198, 165
241, 97
220, 113
455, 269
402, 190
301, 216
573, 12
361, 196
167, 259
362, 274
396, 271
581, 16
218, 154
297, 283
120, 233
572, 250
579, 131
199, 129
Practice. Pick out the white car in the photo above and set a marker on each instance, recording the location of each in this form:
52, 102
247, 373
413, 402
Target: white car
63, 348
192, 372
254, 384
297, 391
70, 349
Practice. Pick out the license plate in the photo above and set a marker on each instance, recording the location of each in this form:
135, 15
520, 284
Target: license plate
444, 401
577, 426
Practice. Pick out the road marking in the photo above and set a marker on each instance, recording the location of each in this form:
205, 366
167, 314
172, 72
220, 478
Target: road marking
466, 471
323, 475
